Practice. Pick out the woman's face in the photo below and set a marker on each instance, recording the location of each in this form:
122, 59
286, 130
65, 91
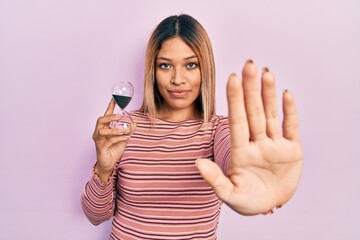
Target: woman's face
178, 78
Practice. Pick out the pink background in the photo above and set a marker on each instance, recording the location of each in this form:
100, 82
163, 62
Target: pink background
59, 58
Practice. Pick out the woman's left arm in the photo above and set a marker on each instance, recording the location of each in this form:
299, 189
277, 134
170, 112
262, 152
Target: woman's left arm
266, 159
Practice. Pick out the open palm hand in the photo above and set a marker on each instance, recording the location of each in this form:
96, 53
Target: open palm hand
266, 159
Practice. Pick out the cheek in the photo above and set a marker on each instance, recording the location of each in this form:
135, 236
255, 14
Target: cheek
196, 81
161, 79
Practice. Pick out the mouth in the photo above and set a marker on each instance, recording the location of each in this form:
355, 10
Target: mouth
179, 93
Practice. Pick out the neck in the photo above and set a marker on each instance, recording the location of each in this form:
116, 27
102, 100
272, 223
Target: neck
178, 115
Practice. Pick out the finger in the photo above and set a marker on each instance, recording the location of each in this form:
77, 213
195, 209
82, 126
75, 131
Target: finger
253, 102
110, 132
290, 123
113, 140
239, 128
103, 122
213, 175
110, 108
132, 128
268, 92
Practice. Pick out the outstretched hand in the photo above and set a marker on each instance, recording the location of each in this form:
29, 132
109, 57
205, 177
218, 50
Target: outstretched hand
266, 159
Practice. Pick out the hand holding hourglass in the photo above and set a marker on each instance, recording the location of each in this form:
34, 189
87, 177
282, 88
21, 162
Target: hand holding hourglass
122, 93
111, 143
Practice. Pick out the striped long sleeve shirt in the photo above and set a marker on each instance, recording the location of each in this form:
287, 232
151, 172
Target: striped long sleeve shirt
156, 191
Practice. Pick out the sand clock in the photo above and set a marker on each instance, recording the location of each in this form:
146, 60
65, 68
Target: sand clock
122, 93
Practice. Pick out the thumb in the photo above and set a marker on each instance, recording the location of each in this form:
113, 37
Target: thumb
214, 176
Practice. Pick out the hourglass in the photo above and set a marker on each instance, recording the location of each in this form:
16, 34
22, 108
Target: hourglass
122, 93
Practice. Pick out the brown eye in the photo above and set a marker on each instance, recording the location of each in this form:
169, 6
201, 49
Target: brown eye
164, 66
192, 65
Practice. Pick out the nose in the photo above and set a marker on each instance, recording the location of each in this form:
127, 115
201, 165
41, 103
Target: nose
177, 77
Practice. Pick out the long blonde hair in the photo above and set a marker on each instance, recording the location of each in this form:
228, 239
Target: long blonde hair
195, 36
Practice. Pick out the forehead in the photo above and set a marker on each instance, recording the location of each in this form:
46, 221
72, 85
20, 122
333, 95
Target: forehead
175, 47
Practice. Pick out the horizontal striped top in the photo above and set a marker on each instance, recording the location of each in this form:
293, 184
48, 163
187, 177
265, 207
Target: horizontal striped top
156, 191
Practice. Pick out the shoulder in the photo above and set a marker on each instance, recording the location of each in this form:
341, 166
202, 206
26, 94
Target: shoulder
221, 132
219, 119
217, 123
138, 115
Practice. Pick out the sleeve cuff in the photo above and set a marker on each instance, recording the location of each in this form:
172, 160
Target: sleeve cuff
98, 181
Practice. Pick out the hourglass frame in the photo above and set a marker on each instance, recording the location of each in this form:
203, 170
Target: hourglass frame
122, 93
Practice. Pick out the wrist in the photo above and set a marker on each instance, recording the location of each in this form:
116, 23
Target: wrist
102, 173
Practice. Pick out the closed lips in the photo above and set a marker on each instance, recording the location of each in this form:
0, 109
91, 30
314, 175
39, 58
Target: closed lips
179, 93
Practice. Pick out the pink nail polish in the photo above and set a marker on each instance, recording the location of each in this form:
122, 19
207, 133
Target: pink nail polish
264, 70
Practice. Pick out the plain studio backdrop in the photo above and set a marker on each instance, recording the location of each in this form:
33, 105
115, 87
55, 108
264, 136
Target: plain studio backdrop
58, 60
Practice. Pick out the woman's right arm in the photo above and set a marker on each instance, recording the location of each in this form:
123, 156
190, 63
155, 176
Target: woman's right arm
98, 198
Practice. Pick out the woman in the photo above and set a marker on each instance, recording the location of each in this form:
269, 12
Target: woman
167, 178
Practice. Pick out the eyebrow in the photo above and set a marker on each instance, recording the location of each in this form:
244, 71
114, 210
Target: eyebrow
168, 59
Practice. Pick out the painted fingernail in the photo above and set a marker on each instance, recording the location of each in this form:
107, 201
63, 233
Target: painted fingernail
232, 75
265, 70
268, 212
249, 61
